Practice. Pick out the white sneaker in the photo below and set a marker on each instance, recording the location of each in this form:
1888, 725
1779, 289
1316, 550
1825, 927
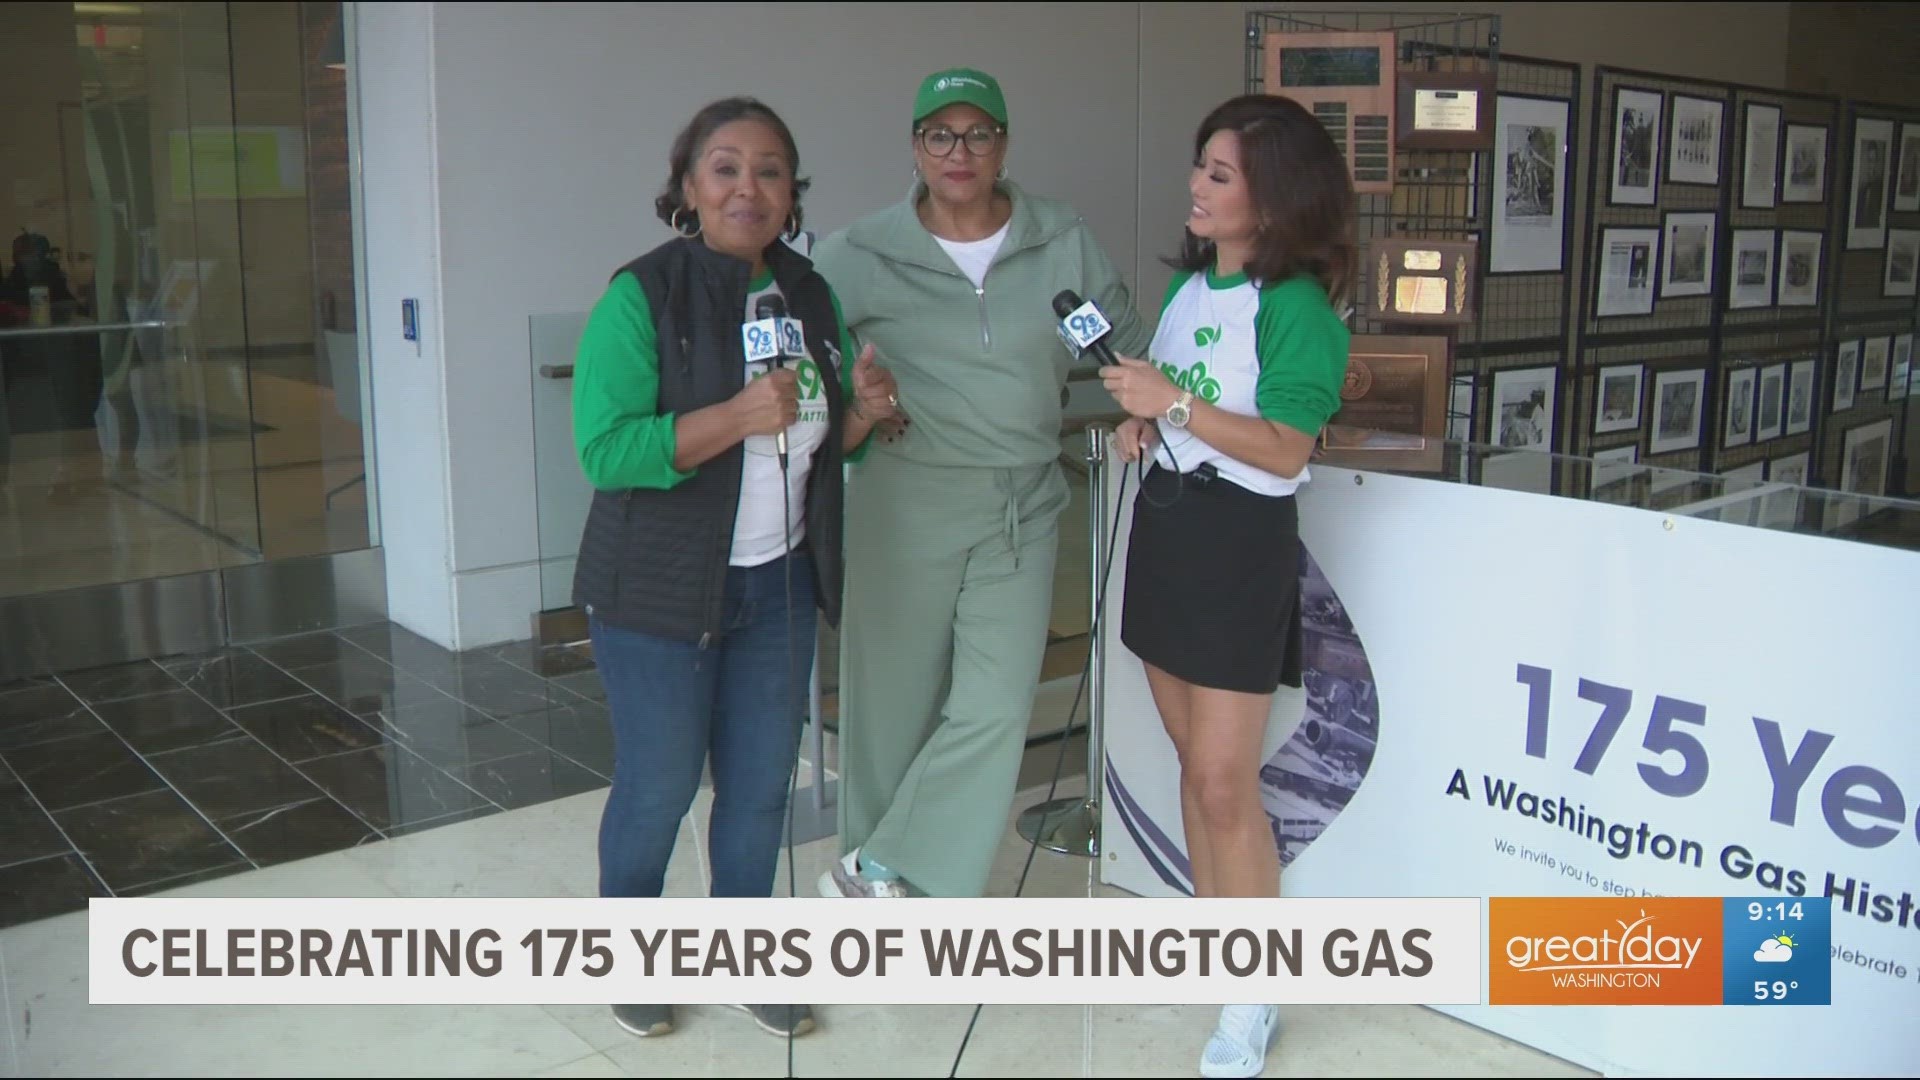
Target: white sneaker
844, 879
1239, 1045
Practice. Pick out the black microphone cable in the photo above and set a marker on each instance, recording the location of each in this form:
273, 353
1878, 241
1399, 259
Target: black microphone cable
1086, 673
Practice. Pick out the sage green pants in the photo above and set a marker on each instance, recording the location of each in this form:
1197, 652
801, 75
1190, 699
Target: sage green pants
948, 595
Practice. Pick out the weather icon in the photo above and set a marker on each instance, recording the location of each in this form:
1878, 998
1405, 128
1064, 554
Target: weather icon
1775, 950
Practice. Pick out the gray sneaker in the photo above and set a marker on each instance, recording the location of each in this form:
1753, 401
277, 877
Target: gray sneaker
781, 1020
644, 1020
844, 879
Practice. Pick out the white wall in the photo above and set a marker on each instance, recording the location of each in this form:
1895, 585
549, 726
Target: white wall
394, 154
549, 127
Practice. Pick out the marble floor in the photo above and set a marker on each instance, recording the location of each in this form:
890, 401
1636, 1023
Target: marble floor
51, 1030
140, 777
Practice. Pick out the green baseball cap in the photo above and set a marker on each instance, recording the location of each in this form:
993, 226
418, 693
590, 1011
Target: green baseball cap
957, 85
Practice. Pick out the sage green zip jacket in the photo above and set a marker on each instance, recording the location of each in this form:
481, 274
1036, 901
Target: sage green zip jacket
979, 370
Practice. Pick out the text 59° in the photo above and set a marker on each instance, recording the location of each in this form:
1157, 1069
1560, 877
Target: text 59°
1860, 804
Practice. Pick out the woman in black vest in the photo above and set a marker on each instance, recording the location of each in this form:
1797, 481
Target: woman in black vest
715, 527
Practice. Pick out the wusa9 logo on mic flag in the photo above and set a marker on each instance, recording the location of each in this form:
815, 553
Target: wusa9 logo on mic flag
1604, 951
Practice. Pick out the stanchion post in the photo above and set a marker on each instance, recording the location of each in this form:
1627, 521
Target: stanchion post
1071, 826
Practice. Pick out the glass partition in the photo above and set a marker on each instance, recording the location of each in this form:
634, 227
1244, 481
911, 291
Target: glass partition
181, 383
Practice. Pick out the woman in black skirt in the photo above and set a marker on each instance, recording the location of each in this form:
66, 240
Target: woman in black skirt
1245, 368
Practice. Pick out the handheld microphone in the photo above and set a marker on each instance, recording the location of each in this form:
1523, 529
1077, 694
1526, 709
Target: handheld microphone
773, 338
1083, 326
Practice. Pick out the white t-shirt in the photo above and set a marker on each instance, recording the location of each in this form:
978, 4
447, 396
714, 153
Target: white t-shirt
759, 528
974, 256
1274, 351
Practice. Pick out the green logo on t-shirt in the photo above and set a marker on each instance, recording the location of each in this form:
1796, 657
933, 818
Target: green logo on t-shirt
1194, 379
1206, 336
807, 374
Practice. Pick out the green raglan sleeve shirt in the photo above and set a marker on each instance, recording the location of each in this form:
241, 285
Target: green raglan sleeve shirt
622, 438
1303, 355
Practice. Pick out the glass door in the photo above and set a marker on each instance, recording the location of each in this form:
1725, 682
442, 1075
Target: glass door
182, 389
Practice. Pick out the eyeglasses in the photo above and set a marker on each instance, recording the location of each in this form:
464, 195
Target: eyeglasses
940, 141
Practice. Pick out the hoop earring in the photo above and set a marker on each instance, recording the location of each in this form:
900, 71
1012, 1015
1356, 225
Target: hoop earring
793, 225
1002, 174
674, 223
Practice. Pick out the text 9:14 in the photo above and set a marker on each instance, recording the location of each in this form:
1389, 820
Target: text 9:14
1779, 909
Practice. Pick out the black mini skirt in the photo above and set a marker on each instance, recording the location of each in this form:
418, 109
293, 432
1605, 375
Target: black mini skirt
1213, 583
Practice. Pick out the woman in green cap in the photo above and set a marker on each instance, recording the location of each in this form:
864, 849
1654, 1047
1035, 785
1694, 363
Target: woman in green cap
952, 517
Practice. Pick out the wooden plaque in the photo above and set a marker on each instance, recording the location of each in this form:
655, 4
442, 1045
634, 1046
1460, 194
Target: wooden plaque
1393, 405
1445, 110
1345, 79
1422, 282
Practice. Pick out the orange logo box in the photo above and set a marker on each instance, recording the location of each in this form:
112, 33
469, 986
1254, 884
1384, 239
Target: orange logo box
1652, 950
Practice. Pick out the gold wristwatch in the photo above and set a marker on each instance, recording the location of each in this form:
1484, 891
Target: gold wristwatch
1181, 410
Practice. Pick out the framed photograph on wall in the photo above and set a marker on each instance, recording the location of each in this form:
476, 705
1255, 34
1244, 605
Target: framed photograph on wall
1687, 268
1782, 508
1626, 272
1906, 184
1636, 146
1694, 148
1873, 364
1612, 467
1863, 458
1522, 415
1902, 364
1738, 428
1677, 400
1770, 410
1846, 374
1530, 211
1752, 265
1617, 405
1760, 166
1805, 179
1800, 397
1903, 258
1799, 268
1869, 186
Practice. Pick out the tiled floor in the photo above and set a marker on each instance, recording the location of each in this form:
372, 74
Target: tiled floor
52, 1030
141, 777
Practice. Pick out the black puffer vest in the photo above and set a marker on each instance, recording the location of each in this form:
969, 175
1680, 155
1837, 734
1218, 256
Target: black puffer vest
655, 560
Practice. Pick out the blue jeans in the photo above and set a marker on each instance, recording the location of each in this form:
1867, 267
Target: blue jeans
673, 704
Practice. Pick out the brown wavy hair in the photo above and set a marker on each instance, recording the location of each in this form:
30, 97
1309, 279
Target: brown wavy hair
1301, 193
